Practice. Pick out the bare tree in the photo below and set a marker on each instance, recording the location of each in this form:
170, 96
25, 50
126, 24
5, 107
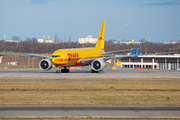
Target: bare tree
28, 39
34, 40
16, 38
142, 40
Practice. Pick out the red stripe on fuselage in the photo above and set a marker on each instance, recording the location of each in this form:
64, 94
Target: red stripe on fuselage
72, 64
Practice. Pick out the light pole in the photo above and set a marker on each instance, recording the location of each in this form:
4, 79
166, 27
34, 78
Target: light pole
126, 31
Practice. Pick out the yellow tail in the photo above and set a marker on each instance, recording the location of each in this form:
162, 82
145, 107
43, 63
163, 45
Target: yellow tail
100, 42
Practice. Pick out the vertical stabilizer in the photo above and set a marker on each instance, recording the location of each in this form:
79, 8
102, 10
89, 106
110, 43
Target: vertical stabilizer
100, 41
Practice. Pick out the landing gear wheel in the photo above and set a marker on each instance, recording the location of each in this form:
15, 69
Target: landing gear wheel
93, 71
58, 71
65, 70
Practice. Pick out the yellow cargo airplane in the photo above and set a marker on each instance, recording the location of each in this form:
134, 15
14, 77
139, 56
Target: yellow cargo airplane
78, 57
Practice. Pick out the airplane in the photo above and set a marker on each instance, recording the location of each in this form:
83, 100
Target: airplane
78, 56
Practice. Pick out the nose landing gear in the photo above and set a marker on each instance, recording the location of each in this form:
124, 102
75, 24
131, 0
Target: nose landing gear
58, 70
65, 70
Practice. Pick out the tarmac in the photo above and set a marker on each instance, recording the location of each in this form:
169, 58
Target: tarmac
90, 111
106, 73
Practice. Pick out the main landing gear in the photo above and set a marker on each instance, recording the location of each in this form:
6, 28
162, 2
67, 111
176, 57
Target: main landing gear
65, 70
93, 71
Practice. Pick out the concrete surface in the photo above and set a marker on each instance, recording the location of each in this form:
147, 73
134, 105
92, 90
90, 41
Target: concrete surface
91, 111
36, 72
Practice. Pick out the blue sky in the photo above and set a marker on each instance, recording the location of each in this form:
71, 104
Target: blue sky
157, 19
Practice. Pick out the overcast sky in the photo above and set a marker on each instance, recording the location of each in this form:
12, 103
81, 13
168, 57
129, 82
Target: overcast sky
157, 19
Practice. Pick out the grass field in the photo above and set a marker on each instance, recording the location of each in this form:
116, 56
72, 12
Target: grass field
89, 93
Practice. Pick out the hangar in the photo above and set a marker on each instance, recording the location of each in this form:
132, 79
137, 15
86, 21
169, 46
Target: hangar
159, 62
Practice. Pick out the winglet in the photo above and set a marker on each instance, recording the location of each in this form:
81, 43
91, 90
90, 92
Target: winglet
100, 42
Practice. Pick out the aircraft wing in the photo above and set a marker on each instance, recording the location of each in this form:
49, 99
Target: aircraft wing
118, 57
32, 55
87, 61
110, 52
124, 56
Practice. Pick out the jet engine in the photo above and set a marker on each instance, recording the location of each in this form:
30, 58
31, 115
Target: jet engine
45, 64
98, 64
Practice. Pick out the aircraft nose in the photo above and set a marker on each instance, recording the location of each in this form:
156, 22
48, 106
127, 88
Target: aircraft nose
52, 60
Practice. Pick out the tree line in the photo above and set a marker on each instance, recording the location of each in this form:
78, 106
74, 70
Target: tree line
35, 47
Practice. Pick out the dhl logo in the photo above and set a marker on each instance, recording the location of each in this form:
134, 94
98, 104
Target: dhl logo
100, 38
73, 56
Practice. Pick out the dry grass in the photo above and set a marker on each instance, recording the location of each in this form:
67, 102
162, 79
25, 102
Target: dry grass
89, 93
87, 86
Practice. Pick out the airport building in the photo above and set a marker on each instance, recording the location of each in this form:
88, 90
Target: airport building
16, 41
132, 41
45, 40
159, 62
170, 42
88, 39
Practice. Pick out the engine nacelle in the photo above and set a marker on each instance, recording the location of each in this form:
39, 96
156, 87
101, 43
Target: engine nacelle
98, 64
45, 64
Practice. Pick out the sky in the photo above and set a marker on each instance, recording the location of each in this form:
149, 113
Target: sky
158, 20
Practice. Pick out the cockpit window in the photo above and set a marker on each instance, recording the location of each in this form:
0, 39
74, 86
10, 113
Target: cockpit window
55, 56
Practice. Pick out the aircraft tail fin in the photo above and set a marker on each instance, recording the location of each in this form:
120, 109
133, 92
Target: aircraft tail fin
100, 41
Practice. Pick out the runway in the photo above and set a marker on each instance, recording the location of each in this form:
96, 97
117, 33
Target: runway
90, 111
107, 73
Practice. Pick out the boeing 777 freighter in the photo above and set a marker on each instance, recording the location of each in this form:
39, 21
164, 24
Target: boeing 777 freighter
78, 57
